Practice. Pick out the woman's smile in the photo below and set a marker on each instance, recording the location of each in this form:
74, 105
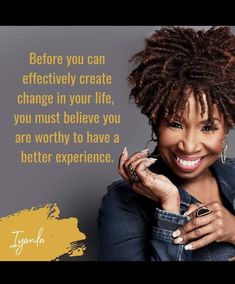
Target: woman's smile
187, 164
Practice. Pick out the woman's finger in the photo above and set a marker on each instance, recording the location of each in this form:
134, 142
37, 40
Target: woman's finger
127, 169
142, 167
195, 234
191, 208
136, 156
125, 162
192, 225
135, 163
206, 240
131, 169
122, 160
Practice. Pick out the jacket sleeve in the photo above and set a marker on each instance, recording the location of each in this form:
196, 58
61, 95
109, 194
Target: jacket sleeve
165, 223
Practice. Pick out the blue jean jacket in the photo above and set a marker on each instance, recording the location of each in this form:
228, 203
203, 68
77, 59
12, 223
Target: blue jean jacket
134, 228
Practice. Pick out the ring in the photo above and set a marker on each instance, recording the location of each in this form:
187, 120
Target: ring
202, 211
198, 205
133, 174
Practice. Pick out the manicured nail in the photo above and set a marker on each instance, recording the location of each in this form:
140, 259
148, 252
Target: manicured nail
152, 159
144, 151
124, 151
178, 240
188, 247
188, 218
176, 233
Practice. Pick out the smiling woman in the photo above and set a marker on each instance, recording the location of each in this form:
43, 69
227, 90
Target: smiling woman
192, 143
184, 82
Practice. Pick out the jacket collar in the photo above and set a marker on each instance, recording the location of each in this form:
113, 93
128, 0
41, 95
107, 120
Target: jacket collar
224, 176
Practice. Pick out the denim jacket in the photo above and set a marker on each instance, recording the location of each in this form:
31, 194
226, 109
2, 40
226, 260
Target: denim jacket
132, 227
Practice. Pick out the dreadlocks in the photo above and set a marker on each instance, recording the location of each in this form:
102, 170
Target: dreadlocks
177, 58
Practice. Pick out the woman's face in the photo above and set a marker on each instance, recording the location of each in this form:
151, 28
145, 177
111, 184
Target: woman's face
191, 144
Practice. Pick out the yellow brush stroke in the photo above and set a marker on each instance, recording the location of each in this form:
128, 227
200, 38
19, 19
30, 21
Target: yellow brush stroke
39, 234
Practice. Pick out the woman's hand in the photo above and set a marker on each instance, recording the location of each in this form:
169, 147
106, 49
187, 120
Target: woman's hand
217, 226
149, 184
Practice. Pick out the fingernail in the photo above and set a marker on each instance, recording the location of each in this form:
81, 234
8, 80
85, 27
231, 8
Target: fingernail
152, 159
124, 151
188, 218
185, 213
188, 247
144, 151
176, 233
178, 240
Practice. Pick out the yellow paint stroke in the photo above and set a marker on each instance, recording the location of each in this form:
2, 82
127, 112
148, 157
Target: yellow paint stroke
39, 234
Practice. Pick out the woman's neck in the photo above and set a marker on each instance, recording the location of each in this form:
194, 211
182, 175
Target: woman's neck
203, 178
204, 188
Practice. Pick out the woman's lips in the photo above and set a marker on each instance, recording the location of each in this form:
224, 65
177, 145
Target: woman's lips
188, 164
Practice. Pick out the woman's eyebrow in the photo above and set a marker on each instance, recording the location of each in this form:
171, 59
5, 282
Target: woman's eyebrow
182, 119
207, 120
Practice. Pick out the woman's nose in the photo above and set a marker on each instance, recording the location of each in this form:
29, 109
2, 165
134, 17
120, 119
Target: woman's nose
189, 143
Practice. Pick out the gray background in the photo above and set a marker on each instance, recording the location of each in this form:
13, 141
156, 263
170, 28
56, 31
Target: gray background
77, 189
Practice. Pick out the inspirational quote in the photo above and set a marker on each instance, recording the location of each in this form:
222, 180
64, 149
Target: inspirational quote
65, 106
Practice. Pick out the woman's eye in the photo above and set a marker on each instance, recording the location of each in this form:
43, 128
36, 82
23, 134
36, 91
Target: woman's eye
175, 124
209, 127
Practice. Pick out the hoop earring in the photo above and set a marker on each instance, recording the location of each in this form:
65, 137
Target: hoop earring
224, 150
152, 155
151, 140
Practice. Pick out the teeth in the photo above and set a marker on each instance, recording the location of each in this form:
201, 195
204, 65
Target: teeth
187, 163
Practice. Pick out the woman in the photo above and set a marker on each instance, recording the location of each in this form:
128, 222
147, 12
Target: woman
179, 202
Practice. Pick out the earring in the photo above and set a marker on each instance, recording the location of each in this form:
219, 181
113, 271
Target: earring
223, 152
151, 140
154, 154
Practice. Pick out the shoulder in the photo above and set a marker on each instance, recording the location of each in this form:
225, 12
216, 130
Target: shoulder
119, 190
230, 164
226, 172
119, 194
229, 170
228, 167
121, 198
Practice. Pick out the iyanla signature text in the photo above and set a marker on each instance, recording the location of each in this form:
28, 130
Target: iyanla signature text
21, 240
